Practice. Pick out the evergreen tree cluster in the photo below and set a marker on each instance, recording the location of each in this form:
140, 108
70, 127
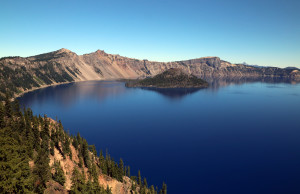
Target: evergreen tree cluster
26, 144
137, 182
111, 168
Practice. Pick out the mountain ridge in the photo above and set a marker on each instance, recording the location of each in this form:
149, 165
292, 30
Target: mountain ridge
21, 74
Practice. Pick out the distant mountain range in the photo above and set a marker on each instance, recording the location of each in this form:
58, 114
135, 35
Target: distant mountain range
18, 74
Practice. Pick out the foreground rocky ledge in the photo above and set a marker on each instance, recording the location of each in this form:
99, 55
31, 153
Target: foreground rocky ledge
171, 78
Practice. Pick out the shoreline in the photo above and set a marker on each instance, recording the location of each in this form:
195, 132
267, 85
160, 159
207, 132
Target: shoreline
61, 83
46, 86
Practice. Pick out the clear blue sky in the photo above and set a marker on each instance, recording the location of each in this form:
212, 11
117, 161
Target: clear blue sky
262, 32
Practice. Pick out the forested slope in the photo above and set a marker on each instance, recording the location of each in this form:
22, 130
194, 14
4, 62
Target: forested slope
37, 155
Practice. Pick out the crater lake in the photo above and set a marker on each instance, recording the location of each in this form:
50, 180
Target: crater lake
237, 136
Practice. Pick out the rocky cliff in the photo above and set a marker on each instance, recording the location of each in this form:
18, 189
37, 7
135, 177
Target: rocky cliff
20, 74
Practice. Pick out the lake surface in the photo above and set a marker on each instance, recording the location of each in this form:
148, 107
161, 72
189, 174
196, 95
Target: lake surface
234, 137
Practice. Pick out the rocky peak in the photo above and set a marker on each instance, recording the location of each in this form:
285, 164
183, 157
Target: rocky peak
63, 50
101, 52
98, 53
52, 55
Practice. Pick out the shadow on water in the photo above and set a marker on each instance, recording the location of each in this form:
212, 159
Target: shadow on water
173, 93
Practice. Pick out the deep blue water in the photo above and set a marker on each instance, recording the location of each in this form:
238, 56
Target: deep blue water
230, 138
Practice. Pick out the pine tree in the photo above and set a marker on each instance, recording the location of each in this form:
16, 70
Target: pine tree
94, 173
17, 108
85, 154
75, 143
79, 139
8, 108
60, 132
164, 189
102, 161
2, 115
139, 178
145, 183
66, 147
128, 171
42, 168
152, 190
58, 175
143, 190
115, 170
52, 148
108, 190
20, 125
30, 114
45, 133
92, 148
89, 187
36, 134
121, 169
78, 181
28, 133
80, 164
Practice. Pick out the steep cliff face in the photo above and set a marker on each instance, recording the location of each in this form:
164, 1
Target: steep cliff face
21, 74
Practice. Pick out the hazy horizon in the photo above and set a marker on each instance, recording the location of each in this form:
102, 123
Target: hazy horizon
258, 33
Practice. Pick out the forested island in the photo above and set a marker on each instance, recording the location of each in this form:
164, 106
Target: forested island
171, 78
38, 156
